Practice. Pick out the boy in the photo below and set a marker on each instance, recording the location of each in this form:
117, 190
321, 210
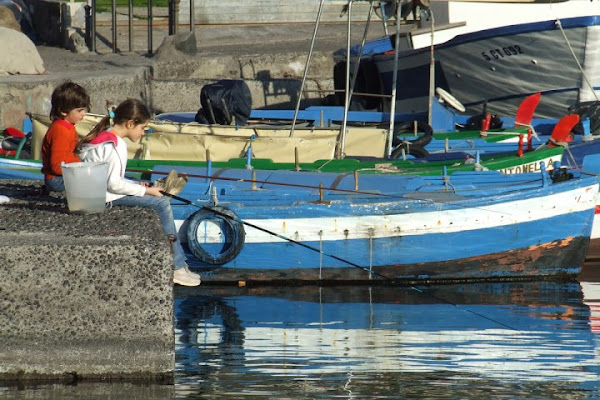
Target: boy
70, 102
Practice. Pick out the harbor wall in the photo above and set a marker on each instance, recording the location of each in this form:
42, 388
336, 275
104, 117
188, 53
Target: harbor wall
83, 297
266, 11
168, 87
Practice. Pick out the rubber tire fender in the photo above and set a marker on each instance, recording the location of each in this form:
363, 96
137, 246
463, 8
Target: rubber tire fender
408, 127
233, 231
413, 150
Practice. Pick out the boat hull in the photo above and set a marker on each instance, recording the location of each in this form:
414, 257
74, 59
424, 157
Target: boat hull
555, 260
540, 233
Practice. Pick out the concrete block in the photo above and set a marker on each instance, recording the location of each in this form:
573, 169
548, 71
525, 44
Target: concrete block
20, 94
180, 95
254, 66
83, 297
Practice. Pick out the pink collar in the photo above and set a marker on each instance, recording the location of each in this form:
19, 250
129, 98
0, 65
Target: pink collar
103, 137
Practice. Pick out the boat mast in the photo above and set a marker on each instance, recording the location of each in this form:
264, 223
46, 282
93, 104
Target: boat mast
394, 79
312, 45
350, 84
362, 47
342, 144
383, 16
431, 71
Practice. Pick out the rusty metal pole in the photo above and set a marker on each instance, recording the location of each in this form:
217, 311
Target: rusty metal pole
130, 25
114, 26
150, 28
88, 26
173, 16
93, 27
192, 16
170, 16
176, 15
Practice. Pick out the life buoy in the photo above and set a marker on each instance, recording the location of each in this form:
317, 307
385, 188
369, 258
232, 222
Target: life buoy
448, 98
222, 222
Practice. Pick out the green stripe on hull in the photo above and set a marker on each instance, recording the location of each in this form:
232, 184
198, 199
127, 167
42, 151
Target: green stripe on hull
497, 162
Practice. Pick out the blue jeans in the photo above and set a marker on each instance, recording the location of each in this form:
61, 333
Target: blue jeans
56, 184
162, 206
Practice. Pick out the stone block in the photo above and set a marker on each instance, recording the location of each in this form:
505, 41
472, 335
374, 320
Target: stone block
83, 297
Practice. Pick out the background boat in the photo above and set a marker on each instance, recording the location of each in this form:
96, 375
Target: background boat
486, 52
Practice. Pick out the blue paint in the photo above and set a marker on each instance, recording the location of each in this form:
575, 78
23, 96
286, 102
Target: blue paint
409, 250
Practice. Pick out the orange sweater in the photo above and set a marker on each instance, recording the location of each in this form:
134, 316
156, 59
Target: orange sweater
58, 146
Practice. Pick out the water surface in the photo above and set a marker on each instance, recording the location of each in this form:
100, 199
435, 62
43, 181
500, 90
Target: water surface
535, 340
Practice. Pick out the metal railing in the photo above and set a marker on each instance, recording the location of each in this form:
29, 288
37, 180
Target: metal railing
91, 31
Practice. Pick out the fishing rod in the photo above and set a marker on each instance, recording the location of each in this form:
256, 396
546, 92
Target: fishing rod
398, 195
242, 180
306, 246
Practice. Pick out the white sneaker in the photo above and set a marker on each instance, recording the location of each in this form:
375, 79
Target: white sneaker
192, 273
182, 276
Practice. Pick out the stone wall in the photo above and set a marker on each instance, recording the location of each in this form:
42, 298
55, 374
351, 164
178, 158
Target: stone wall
267, 11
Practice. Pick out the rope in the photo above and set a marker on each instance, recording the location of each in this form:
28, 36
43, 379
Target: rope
558, 23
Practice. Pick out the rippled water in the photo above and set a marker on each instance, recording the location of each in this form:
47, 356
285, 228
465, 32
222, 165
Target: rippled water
536, 340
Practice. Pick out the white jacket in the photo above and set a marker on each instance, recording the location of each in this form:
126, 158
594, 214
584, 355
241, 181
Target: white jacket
112, 149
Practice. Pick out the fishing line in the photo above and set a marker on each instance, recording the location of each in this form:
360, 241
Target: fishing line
306, 246
236, 219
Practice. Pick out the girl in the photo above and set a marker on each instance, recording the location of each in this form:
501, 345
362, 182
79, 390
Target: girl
106, 144
70, 102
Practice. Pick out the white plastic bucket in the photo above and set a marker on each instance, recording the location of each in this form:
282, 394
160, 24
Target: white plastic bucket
85, 184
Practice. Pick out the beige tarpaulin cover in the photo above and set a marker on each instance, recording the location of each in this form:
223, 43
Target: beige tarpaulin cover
176, 141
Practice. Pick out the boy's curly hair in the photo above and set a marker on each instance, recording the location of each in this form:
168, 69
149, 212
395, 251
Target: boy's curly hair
66, 97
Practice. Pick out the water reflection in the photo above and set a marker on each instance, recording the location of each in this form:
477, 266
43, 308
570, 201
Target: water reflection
535, 340
515, 339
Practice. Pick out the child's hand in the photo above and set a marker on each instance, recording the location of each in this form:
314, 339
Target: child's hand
154, 191
145, 183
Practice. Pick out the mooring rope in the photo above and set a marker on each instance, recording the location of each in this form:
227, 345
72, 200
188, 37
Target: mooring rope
559, 24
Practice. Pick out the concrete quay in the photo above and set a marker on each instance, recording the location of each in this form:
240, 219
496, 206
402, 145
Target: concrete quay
82, 297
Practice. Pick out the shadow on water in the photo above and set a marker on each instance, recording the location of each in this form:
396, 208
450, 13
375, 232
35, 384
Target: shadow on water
534, 340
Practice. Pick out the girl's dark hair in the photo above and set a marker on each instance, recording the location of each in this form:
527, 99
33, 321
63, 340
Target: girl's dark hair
66, 97
130, 109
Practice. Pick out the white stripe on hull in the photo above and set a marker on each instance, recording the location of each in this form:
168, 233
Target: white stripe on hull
382, 226
530, 167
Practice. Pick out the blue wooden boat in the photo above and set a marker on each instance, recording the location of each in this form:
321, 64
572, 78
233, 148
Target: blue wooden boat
309, 226
266, 225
